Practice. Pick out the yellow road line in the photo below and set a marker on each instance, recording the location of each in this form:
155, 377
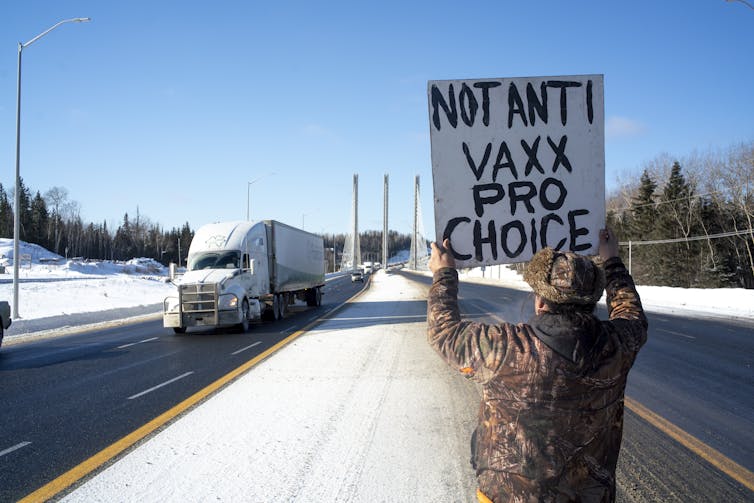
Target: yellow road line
86, 467
704, 451
712, 456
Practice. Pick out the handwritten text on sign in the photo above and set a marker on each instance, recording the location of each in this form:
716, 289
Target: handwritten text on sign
517, 165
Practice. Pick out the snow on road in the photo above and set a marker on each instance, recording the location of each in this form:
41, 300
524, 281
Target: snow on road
359, 409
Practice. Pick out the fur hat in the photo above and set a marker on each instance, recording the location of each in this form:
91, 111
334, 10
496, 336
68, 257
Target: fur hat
565, 277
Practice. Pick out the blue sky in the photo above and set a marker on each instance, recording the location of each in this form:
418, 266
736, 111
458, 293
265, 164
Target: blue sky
173, 106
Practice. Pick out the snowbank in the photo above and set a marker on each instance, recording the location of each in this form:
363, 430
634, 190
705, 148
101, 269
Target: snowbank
55, 292
709, 302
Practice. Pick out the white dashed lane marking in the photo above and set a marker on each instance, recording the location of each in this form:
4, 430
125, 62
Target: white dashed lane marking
135, 343
137, 395
247, 347
14, 448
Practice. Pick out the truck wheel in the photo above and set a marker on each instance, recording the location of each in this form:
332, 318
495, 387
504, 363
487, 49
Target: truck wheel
179, 330
244, 325
318, 297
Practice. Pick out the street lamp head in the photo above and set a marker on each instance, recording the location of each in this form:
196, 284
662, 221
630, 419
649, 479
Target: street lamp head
743, 2
48, 30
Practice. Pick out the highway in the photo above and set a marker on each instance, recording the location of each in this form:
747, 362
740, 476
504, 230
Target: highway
65, 399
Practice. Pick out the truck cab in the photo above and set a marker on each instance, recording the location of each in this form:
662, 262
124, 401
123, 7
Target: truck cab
222, 283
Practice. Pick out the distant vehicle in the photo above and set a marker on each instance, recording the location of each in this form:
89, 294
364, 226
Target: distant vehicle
242, 271
368, 267
357, 276
5, 320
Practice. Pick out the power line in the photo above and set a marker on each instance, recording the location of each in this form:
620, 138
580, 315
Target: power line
692, 238
657, 203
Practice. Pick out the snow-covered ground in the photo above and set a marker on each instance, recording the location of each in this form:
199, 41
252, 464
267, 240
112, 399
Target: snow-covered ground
56, 293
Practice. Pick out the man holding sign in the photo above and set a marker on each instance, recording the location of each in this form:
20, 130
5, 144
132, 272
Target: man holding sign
551, 417
518, 174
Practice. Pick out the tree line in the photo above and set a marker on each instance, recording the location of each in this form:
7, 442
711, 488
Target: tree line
53, 221
689, 220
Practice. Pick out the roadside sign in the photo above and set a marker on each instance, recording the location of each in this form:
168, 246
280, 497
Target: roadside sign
24, 258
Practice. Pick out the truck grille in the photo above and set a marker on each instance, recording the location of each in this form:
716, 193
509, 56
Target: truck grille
199, 298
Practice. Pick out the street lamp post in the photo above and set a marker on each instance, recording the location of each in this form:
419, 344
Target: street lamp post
17, 199
334, 256
248, 193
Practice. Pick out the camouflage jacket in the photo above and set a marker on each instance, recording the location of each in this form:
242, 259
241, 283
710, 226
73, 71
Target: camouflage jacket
551, 416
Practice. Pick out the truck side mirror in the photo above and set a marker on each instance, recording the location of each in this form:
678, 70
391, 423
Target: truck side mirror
251, 266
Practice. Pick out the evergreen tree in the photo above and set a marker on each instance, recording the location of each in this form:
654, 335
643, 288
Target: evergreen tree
677, 220
104, 244
641, 223
24, 210
186, 236
6, 214
123, 245
37, 232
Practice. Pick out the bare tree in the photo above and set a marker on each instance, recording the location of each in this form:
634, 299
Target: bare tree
56, 198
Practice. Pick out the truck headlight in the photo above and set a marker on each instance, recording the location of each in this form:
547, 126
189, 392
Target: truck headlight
228, 302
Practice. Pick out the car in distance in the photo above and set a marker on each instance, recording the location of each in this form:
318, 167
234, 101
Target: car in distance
4, 319
357, 276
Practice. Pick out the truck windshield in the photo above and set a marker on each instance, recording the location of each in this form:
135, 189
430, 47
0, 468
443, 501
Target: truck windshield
215, 260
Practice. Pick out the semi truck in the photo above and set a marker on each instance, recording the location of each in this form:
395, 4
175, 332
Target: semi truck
239, 272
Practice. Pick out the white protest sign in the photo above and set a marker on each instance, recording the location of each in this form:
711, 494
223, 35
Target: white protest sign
517, 165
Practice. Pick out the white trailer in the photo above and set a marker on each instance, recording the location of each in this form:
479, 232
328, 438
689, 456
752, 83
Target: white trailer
242, 271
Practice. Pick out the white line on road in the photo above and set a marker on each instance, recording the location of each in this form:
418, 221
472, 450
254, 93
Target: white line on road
137, 395
135, 343
247, 347
676, 333
14, 448
287, 330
